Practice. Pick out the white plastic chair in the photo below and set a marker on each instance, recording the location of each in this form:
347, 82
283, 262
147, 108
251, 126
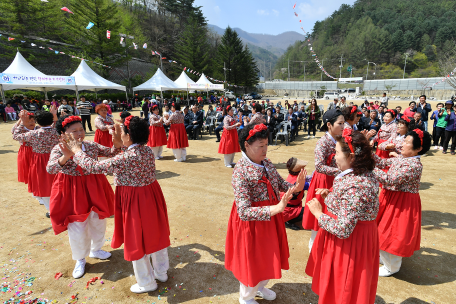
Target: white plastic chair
284, 130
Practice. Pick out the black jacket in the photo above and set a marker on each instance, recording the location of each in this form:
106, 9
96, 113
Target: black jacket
424, 111
198, 116
187, 119
271, 125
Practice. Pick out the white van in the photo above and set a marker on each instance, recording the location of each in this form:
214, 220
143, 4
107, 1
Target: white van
331, 95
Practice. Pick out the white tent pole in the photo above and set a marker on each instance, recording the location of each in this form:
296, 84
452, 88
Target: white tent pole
45, 93
3, 94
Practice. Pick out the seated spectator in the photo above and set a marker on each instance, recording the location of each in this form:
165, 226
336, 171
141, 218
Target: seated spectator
9, 110
418, 121
65, 109
374, 122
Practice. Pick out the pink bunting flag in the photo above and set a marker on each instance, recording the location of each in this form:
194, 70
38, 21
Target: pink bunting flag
185, 68
11, 39
121, 40
108, 34
153, 53
65, 9
294, 6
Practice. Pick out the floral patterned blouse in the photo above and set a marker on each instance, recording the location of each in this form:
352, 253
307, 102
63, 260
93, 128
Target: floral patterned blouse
347, 126
248, 189
91, 149
386, 131
42, 140
176, 118
22, 130
404, 173
325, 149
103, 124
256, 119
228, 122
154, 120
134, 167
398, 141
353, 198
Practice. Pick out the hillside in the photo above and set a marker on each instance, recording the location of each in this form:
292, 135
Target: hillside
276, 44
382, 32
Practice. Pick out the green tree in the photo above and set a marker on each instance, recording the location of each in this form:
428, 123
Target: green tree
230, 56
93, 42
397, 40
249, 75
425, 41
193, 47
409, 40
420, 60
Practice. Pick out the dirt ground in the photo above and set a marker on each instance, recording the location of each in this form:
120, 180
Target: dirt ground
199, 198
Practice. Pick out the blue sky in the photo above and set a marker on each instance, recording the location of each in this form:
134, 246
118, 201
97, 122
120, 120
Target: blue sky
268, 16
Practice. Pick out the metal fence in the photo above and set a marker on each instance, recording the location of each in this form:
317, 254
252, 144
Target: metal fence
300, 85
406, 84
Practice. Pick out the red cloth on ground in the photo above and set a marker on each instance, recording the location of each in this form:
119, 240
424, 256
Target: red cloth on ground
382, 153
157, 137
294, 206
345, 271
24, 157
399, 222
229, 143
319, 180
141, 221
39, 181
103, 138
177, 138
74, 197
256, 250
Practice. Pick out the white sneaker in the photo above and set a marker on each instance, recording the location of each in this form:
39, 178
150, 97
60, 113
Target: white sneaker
229, 166
178, 159
384, 272
157, 158
308, 136
267, 294
161, 277
79, 268
252, 301
436, 147
100, 254
441, 148
160, 157
313, 136
138, 289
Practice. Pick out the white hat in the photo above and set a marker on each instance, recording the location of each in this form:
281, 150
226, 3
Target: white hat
105, 101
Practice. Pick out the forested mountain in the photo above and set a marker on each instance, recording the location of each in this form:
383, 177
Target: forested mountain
383, 32
175, 29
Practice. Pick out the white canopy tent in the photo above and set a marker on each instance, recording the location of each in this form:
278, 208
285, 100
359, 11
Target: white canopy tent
203, 80
183, 81
22, 75
159, 82
87, 79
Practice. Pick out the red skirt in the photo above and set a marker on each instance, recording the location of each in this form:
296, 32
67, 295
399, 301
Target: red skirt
256, 250
382, 153
74, 197
39, 181
103, 138
229, 143
157, 137
399, 222
319, 180
177, 137
345, 271
141, 221
24, 157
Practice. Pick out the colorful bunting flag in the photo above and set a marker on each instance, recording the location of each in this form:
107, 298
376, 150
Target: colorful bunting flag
121, 40
66, 10
90, 25
108, 34
145, 46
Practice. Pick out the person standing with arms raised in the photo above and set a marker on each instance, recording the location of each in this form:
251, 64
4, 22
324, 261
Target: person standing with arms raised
84, 108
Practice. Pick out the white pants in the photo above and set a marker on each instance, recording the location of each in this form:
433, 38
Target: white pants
228, 158
12, 116
86, 236
157, 151
43, 201
390, 261
247, 293
143, 270
180, 153
313, 235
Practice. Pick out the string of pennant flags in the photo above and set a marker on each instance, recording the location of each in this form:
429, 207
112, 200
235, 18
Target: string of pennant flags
443, 79
311, 49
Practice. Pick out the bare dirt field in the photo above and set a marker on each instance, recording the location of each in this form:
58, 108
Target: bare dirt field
199, 198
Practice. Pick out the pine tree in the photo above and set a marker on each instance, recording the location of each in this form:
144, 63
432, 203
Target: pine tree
93, 42
230, 54
249, 76
192, 48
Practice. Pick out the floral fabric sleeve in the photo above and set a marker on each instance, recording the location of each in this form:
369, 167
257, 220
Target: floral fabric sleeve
106, 151
53, 166
401, 174
107, 166
103, 125
322, 152
154, 120
383, 145
20, 134
242, 199
228, 123
383, 163
343, 226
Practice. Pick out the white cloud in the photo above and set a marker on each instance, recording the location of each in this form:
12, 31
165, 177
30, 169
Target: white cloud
217, 9
275, 12
262, 12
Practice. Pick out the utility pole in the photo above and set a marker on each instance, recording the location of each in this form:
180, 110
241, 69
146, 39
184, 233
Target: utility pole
367, 73
305, 62
270, 72
288, 69
124, 44
406, 55
321, 74
341, 66
224, 70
